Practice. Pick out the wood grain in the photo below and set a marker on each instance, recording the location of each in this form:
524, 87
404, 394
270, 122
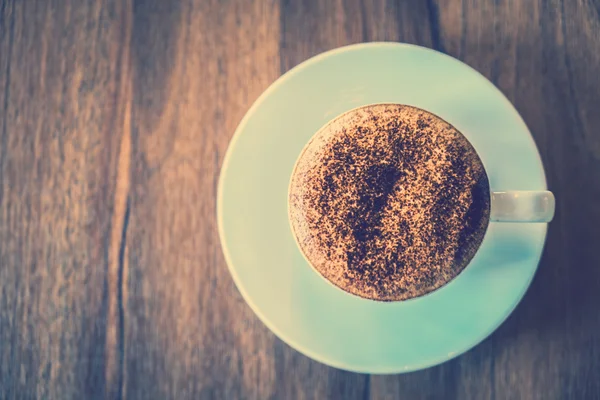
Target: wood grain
61, 124
114, 119
197, 66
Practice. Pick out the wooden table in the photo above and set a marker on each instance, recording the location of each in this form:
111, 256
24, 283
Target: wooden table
114, 119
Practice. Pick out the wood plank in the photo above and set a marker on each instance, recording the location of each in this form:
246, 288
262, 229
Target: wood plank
61, 123
197, 67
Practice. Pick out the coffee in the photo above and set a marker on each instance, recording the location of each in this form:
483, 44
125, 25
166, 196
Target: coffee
389, 202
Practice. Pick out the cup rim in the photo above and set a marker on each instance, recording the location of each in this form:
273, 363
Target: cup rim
315, 269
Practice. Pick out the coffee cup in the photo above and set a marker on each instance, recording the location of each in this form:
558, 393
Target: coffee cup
390, 202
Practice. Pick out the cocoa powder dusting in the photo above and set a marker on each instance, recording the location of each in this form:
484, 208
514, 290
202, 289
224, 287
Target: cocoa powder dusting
389, 202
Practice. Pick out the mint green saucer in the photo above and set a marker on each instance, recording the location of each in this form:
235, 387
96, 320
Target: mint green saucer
311, 315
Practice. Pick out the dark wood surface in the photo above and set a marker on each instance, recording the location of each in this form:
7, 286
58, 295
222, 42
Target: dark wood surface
114, 118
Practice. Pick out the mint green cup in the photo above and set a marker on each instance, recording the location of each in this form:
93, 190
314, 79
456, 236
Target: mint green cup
306, 311
513, 206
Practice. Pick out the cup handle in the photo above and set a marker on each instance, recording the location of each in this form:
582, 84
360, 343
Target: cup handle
522, 206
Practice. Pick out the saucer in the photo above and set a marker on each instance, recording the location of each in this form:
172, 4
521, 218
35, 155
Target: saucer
291, 299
